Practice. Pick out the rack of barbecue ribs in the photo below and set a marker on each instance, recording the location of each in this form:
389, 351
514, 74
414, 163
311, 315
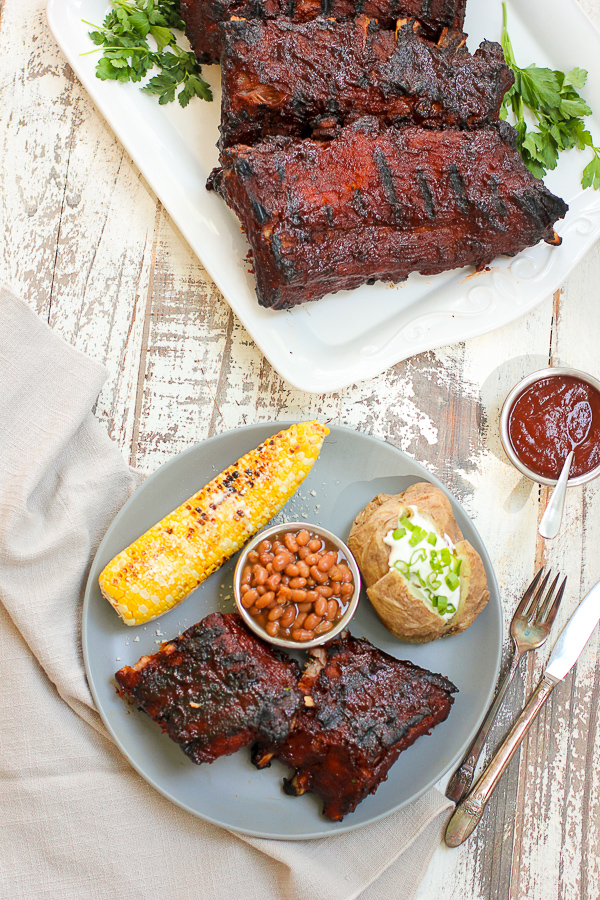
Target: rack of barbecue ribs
203, 17
216, 688
282, 78
378, 203
362, 708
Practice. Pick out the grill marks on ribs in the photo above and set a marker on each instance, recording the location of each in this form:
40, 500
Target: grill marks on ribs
216, 688
366, 708
203, 17
377, 203
341, 725
282, 78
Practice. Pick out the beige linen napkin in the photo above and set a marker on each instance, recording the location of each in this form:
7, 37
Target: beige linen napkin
77, 821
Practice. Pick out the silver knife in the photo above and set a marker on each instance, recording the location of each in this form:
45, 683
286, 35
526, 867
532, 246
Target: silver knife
565, 654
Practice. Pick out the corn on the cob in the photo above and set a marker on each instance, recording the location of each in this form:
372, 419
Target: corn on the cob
165, 564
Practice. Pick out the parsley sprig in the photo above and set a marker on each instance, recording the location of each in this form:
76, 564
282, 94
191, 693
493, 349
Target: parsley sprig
553, 99
128, 56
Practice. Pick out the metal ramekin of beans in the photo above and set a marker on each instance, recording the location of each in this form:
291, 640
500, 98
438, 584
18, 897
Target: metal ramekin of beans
296, 584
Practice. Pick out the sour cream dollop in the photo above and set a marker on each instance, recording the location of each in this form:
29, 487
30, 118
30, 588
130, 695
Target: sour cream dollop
428, 561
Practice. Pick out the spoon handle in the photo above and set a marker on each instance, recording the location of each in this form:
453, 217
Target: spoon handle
550, 524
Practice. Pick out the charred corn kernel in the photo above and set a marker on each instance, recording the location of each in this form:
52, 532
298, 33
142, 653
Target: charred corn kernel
165, 564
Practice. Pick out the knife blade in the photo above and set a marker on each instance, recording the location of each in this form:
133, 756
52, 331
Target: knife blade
567, 650
575, 635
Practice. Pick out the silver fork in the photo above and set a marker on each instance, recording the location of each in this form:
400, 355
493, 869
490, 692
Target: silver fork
529, 629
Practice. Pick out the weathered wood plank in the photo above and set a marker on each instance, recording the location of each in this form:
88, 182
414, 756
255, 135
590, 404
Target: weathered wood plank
71, 246
557, 768
183, 353
36, 121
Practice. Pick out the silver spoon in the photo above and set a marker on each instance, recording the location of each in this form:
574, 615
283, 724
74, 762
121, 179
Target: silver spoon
579, 422
550, 524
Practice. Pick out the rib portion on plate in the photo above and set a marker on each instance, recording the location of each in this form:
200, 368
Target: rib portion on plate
203, 17
362, 709
216, 688
279, 77
377, 203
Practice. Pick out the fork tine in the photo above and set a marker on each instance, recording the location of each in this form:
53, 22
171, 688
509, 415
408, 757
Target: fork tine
538, 614
551, 613
528, 608
529, 591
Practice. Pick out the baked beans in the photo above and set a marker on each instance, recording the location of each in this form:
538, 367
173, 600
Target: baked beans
297, 585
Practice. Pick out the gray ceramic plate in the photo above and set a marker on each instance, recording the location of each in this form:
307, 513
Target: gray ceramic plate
351, 469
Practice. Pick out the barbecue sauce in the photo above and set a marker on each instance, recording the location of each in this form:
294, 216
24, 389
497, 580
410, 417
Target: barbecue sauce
552, 417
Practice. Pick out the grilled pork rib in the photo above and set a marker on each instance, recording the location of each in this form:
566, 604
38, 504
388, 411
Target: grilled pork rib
366, 707
203, 17
216, 688
281, 78
377, 203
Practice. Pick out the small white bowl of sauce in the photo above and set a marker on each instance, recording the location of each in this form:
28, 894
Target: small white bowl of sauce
548, 414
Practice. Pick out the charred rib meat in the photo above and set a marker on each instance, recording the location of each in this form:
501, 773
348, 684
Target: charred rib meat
281, 78
203, 17
365, 708
377, 203
216, 688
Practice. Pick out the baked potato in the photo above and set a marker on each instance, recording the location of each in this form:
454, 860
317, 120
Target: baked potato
404, 591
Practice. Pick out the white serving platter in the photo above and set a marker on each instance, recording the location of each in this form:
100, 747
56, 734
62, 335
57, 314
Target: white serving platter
352, 335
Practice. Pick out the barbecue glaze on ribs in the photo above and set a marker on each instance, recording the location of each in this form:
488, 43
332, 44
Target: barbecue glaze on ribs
203, 17
216, 688
366, 707
377, 203
282, 78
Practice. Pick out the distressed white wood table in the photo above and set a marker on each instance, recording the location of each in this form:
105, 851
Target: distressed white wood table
86, 243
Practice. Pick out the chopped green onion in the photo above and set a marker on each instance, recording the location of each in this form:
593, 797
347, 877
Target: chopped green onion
435, 565
432, 538
402, 566
457, 565
398, 533
450, 608
445, 556
417, 536
442, 605
452, 581
418, 556
407, 523
433, 581
434, 600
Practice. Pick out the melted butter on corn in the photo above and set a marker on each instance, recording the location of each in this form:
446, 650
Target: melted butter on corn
169, 561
